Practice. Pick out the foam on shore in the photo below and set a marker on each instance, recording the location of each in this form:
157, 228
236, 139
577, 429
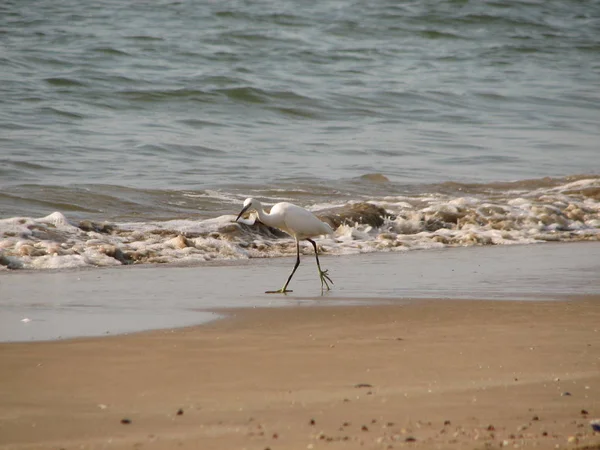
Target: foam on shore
490, 216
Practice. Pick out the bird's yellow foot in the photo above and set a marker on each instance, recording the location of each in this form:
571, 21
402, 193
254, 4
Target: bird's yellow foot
279, 291
323, 274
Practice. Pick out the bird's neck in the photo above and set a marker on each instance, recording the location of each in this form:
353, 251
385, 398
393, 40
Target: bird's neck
265, 217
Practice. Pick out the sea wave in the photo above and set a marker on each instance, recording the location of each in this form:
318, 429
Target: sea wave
452, 215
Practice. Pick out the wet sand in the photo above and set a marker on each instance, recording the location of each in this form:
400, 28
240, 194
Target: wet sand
98, 302
424, 374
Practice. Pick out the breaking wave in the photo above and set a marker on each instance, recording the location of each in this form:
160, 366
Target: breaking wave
454, 215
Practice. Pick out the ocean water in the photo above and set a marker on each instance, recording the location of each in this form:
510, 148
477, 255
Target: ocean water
131, 132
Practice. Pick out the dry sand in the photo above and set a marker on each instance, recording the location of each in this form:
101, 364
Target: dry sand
430, 374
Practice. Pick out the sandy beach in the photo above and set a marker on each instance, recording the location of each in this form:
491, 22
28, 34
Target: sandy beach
427, 374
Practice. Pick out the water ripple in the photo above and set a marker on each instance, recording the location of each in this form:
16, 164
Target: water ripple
157, 93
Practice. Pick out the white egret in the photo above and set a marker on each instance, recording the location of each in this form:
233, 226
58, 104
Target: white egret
298, 223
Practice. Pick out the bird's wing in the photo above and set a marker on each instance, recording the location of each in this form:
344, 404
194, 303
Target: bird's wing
303, 224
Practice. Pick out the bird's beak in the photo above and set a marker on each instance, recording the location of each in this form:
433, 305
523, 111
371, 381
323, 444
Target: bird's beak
242, 212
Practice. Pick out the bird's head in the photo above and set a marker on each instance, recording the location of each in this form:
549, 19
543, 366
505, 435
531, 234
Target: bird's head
249, 203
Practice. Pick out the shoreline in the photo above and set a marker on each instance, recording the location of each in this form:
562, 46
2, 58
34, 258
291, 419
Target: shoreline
498, 372
125, 300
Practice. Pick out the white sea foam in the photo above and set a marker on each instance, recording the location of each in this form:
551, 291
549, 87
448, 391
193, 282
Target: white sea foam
569, 212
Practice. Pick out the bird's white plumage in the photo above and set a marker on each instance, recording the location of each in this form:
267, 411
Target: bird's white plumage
292, 219
297, 222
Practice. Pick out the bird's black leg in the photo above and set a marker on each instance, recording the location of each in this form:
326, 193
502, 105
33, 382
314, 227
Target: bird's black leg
322, 273
284, 289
